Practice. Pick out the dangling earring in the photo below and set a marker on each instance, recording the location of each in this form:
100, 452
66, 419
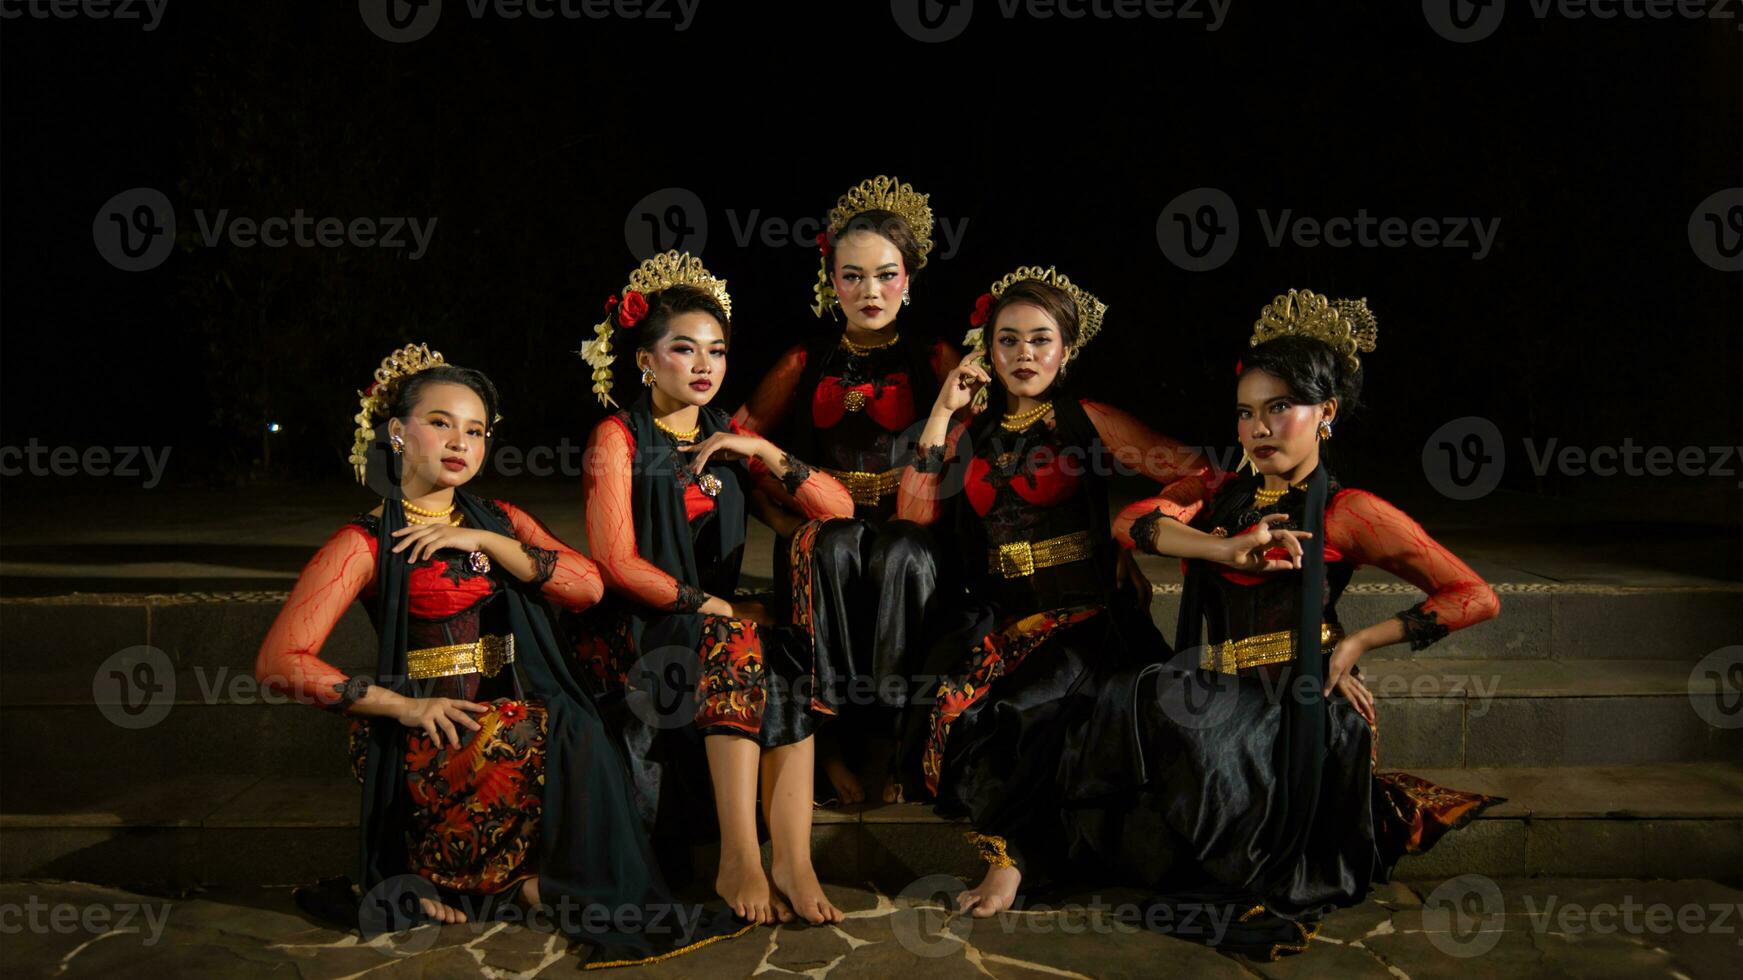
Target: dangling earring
647, 378
397, 443
1247, 464
1324, 429
906, 299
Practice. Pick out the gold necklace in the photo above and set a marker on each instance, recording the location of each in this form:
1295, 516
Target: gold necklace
449, 518
861, 350
1263, 497
411, 508
1021, 421
674, 433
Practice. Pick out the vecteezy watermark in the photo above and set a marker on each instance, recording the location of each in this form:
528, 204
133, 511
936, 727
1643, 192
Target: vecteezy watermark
36, 916
1716, 230
674, 218
147, 13
136, 687
1465, 21
935, 21
35, 459
1464, 916
1716, 687
1633, 917
1199, 230
136, 229
1465, 459
401, 21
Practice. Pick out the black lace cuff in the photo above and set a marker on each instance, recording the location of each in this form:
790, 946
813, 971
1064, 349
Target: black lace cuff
1144, 531
1421, 627
929, 459
690, 598
544, 563
797, 473
350, 692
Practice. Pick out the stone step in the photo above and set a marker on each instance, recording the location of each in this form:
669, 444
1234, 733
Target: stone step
1648, 821
1433, 713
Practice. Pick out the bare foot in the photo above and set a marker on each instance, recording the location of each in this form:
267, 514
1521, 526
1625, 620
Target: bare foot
892, 790
993, 895
529, 892
846, 783
445, 914
745, 887
798, 882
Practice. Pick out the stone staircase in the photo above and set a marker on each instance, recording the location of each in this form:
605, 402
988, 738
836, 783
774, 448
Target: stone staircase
1606, 702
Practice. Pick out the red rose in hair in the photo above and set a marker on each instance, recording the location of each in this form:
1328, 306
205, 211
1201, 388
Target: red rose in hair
823, 243
635, 306
610, 303
982, 307
1237, 369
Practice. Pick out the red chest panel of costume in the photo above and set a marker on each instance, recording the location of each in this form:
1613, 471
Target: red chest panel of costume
443, 586
696, 503
1042, 483
890, 404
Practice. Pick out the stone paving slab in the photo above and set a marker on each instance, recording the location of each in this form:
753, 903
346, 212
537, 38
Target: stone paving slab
1468, 927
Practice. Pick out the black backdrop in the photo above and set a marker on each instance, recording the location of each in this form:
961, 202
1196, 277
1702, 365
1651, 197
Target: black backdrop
1592, 318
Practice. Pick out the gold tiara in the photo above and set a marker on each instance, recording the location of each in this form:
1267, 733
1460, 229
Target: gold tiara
377, 399
874, 194
1345, 325
659, 273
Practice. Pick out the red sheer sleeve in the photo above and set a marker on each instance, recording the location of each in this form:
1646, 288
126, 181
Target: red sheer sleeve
289, 661
1185, 476
1369, 531
917, 499
611, 521
769, 403
804, 490
568, 577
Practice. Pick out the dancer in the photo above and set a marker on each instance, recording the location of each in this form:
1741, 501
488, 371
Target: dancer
858, 390
486, 770
666, 484
1255, 806
1024, 489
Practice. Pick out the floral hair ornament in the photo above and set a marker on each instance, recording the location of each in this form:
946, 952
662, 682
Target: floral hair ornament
1347, 326
874, 194
1090, 312
661, 272
377, 399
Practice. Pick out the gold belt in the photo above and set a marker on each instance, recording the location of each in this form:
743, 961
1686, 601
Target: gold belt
1256, 651
1020, 558
867, 488
485, 655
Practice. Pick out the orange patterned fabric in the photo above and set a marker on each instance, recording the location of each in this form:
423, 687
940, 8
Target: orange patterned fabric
1422, 812
999, 653
734, 686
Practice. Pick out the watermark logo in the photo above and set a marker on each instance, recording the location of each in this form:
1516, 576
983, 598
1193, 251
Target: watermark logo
1464, 21
393, 908
936, 21
400, 21
135, 230
1465, 458
1198, 230
671, 218
1716, 230
1464, 916
146, 13
1716, 687
134, 688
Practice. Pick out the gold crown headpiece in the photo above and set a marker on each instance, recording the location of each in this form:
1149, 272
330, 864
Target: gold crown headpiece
1090, 312
377, 399
1345, 325
874, 194
661, 272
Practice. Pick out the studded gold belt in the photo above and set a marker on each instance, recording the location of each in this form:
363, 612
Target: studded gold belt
868, 488
485, 655
1231, 656
1020, 558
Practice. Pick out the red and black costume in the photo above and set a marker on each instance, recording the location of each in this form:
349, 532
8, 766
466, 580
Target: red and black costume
853, 411
538, 789
663, 544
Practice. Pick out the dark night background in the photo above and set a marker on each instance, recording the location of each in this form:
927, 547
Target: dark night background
530, 141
